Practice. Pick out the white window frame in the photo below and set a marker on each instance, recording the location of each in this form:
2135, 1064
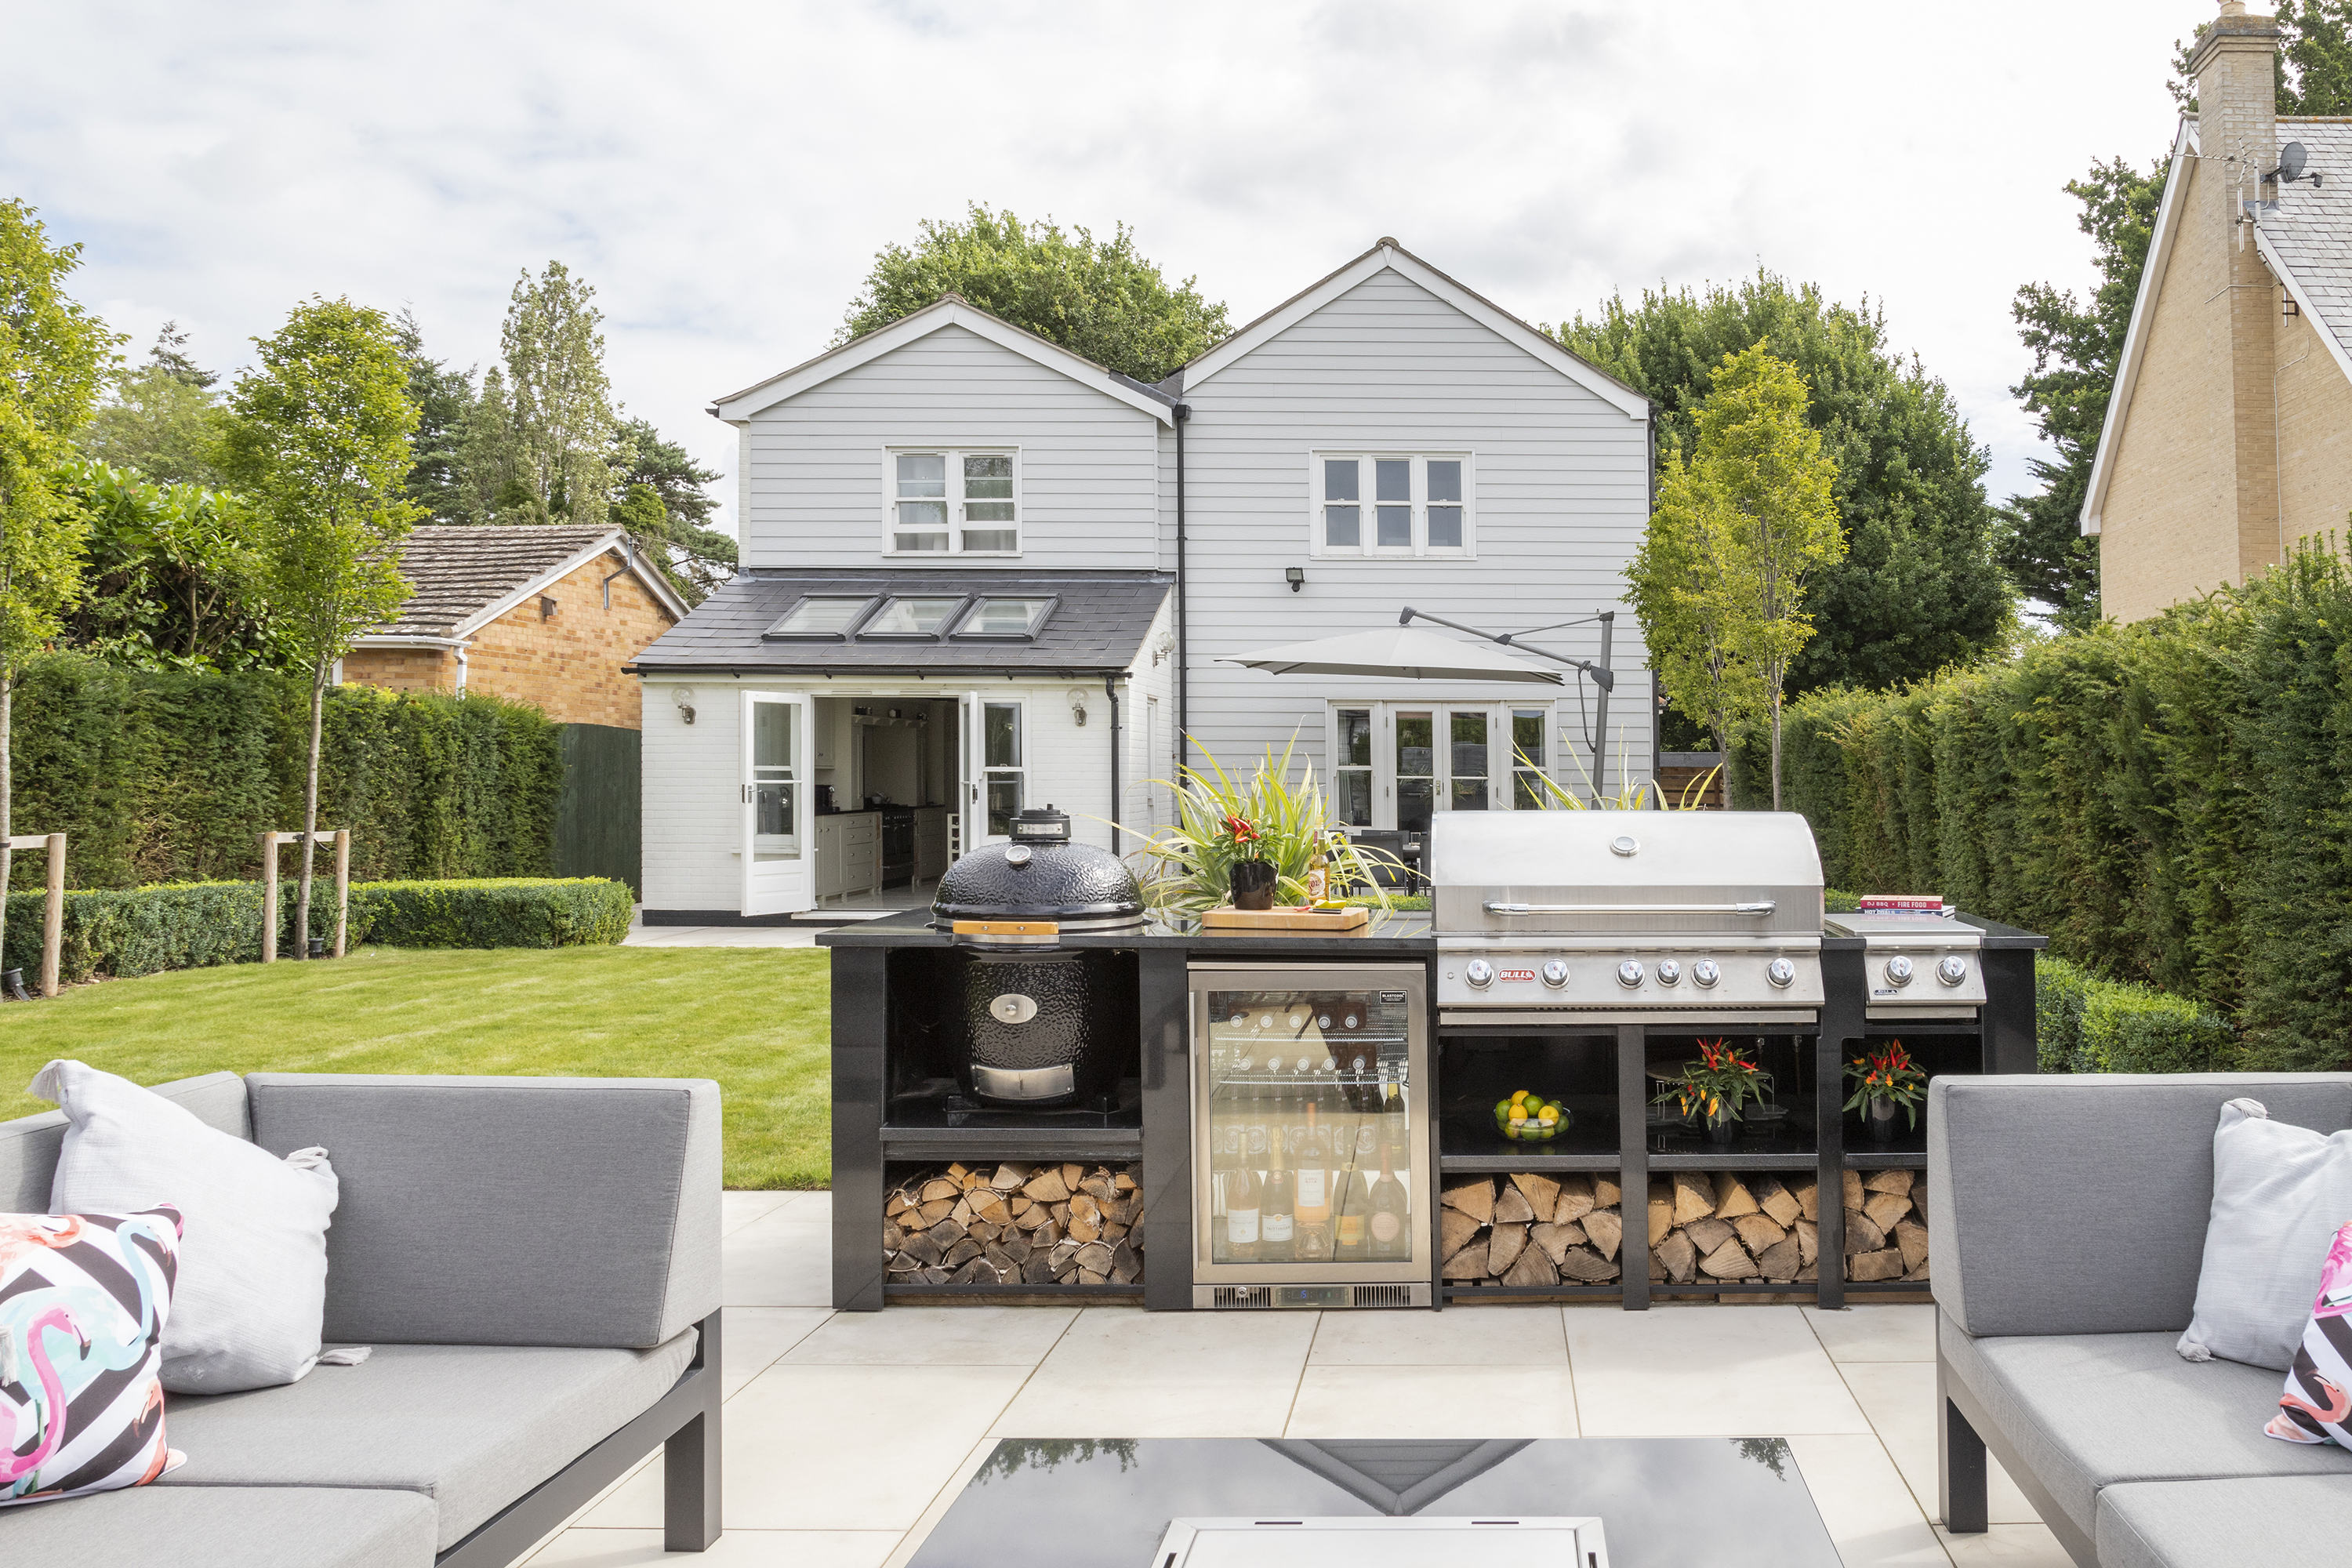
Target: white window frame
988, 772
955, 453
1501, 755
1367, 487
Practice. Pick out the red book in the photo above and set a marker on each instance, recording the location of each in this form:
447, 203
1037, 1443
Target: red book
1908, 903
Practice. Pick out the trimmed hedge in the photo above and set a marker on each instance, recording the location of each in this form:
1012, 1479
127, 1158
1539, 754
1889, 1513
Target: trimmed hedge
171, 777
2170, 801
133, 931
2085, 1024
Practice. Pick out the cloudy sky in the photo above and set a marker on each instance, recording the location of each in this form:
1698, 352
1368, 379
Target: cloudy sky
723, 172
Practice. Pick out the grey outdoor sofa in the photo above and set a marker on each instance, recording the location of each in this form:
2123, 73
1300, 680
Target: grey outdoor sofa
2067, 1224
535, 1264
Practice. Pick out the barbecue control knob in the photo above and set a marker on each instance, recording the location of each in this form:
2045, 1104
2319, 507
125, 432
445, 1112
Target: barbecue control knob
1781, 972
1480, 974
1669, 971
1706, 972
1555, 974
1898, 970
1952, 970
1629, 974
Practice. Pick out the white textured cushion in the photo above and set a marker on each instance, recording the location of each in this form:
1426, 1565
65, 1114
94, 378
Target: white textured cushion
2279, 1194
253, 1255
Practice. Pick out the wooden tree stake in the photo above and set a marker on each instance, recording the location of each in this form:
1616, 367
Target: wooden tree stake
53, 913
343, 887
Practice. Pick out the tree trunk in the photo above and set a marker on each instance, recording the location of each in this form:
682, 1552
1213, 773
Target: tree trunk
309, 816
8, 789
1776, 748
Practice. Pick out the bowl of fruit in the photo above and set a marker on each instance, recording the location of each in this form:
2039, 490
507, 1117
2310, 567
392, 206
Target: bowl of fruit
1528, 1118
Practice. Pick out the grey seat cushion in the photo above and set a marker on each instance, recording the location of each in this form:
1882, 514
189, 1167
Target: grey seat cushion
2086, 1411
253, 1527
473, 1428
2224, 1524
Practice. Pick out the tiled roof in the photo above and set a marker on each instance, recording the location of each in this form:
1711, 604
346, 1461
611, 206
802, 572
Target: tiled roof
2310, 230
459, 572
1097, 623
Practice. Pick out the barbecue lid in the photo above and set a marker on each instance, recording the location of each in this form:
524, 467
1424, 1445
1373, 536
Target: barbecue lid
1625, 873
1041, 875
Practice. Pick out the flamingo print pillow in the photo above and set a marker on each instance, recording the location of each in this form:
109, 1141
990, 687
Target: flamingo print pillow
2317, 1404
83, 1300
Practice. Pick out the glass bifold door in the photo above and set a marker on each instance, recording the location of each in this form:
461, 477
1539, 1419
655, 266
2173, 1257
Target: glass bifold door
1310, 1132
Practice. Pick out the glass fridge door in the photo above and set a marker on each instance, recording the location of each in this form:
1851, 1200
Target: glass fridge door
1309, 1129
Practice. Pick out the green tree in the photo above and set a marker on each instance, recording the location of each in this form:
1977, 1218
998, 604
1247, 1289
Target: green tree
173, 575
1918, 588
1739, 532
320, 441
1098, 298
165, 420
2077, 347
54, 356
444, 399
659, 496
560, 424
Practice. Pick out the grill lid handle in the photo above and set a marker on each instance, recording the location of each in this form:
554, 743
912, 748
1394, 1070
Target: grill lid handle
1766, 908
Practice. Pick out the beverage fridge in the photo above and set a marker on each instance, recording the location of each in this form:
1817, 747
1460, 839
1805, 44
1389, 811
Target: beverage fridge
1313, 1179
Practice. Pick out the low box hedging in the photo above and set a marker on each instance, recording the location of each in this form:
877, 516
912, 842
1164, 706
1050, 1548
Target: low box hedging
126, 933
2085, 1024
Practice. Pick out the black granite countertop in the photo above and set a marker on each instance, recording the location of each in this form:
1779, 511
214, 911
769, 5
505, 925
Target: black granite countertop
1388, 934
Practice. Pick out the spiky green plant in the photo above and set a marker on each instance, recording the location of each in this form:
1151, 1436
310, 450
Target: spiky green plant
1189, 864
1552, 796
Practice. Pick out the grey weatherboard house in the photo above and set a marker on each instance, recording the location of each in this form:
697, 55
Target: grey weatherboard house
981, 574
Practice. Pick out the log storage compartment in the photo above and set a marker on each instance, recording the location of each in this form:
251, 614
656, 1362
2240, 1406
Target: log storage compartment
1731, 1227
1528, 1230
1012, 1223
1886, 1226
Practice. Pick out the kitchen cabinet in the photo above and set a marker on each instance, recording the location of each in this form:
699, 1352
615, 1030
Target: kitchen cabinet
848, 853
930, 843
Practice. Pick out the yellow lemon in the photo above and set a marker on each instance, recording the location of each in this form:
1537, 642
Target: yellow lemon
1517, 1095
1549, 1115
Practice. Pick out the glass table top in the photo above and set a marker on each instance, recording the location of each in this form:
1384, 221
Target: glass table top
1665, 1502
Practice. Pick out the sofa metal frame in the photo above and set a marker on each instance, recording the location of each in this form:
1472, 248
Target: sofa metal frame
684, 1424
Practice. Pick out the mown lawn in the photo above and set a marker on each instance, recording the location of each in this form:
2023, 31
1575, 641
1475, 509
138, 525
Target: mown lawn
755, 1019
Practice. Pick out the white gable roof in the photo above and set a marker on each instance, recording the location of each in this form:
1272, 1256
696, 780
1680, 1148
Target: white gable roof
948, 311
2151, 283
1389, 256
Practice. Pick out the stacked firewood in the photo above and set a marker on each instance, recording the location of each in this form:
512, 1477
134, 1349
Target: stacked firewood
1530, 1229
1885, 1226
1014, 1225
1729, 1226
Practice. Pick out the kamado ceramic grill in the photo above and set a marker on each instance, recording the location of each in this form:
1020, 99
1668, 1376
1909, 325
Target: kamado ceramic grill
1700, 917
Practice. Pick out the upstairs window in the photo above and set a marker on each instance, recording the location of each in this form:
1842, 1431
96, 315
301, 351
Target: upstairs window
826, 616
953, 504
1387, 504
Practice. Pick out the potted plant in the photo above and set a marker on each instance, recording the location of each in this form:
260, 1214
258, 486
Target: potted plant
1716, 1086
1250, 874
1883, 1080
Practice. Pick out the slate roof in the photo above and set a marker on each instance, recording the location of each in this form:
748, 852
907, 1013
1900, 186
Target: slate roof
1098, 621
459, 572
2309, 230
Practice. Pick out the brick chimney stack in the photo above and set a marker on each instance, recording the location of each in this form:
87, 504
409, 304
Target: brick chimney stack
2237, 137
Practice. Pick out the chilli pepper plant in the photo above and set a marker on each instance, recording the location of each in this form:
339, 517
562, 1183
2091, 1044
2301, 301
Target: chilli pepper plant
1717, 1084
1888, 1074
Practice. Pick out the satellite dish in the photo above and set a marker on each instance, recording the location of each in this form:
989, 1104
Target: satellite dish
2291, 160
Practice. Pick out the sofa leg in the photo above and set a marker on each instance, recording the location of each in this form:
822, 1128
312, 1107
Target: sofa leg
690, 1461
1961, 1467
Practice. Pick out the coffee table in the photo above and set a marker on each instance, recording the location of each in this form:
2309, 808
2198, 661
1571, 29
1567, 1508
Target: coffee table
1666, 1502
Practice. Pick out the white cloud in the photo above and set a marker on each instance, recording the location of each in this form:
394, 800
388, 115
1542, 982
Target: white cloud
723, 172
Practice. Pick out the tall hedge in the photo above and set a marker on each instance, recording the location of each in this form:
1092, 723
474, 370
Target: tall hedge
2172, 801
172, 778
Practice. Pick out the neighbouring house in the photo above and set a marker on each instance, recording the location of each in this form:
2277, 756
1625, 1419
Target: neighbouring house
546, 615
981, 573
2229, 435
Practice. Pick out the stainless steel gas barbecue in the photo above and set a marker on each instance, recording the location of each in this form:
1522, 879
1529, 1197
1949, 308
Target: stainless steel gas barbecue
1917, 965
1595, 916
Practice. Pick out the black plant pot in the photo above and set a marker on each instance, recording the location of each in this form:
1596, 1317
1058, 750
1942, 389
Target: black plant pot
11, 983
1881, 1116
318, 947
1253, 883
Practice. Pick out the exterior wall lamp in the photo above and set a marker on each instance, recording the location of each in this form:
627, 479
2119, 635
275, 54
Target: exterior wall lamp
1295, 576
684, 697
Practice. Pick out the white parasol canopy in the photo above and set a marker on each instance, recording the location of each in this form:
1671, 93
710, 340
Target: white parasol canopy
1394, 652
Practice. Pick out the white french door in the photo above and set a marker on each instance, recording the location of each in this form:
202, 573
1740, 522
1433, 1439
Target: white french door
1395, 764
777, 826
996, 766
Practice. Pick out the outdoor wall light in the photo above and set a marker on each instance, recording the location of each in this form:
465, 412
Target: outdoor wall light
684, 697
1295, 576
1076, 698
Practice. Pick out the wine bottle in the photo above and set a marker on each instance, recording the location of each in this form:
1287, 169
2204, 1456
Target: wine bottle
1302, 1095
1277, 1220
1359, 1087
1313, 1211
1352, 1212
1319, 875
1244, 1191
1390, 1209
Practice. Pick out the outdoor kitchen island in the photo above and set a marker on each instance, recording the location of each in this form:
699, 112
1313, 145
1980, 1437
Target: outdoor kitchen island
901, 1121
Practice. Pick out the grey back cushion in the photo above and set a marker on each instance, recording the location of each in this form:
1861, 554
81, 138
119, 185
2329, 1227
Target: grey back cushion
29, 1145
2078, 1205
510, 1211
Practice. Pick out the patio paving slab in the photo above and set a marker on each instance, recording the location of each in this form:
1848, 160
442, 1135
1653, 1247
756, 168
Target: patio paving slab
1898, 1331
1119, 1372
2008, 1545
936, 1336
1499, 1337
736, 1549
1693, 1371
1899, 1398
1434, 1402
1870, 1514
783, 1258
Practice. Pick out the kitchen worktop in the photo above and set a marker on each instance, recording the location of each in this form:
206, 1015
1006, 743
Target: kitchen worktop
1389, 934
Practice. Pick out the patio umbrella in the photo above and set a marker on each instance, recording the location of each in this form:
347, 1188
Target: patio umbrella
1391, 653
